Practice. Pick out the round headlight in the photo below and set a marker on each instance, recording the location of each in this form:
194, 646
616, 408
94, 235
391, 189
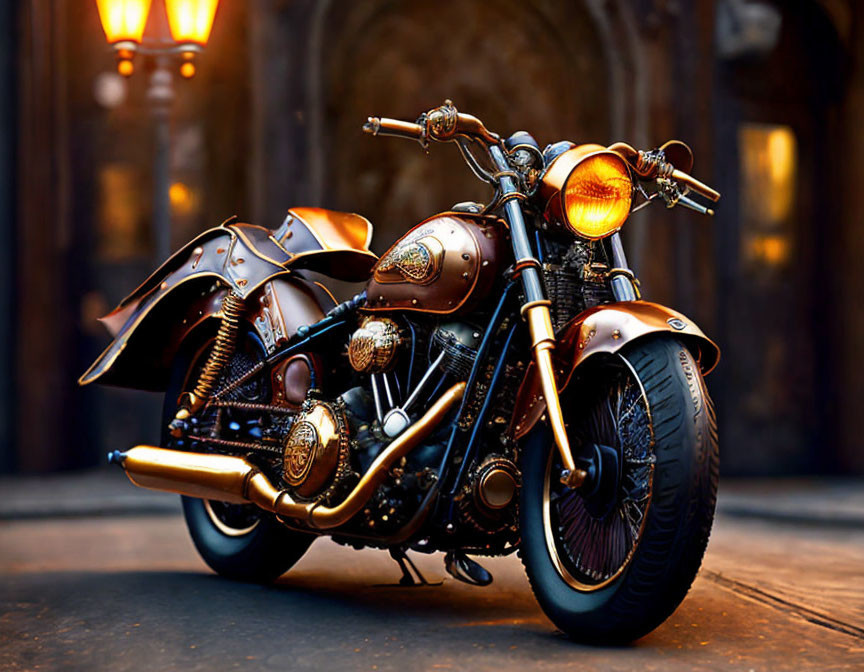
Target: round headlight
597, 195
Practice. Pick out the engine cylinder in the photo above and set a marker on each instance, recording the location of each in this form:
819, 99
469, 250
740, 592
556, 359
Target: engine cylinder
459, 341
373, 348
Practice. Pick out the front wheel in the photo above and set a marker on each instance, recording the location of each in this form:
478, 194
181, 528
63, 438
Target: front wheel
611, 561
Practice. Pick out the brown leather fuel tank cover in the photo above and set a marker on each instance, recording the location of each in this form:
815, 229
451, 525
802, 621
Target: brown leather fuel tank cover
444, 265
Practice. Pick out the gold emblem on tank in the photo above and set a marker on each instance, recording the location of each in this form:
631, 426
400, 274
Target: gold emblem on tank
416, 260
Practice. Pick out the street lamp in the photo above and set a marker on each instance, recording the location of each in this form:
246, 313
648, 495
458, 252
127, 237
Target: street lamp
190, 23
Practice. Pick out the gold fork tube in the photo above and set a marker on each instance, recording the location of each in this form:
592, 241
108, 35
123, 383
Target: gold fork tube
542, 343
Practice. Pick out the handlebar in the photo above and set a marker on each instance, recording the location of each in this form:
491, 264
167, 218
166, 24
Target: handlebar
395, 128
442, 124
446, 124
659, 163
695, 185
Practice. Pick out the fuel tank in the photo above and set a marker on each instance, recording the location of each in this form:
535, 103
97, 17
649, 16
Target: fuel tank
446, 264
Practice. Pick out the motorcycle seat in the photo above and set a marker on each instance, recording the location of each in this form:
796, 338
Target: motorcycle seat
330, 242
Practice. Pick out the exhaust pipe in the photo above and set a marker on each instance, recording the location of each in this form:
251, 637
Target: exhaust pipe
233, 479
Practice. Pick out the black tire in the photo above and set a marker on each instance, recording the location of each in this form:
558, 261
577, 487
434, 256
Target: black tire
260, 550
676, 524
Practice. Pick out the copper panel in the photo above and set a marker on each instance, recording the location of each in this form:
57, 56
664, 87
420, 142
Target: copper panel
446, 264
281, 306
291, 380
606, 329
337, 230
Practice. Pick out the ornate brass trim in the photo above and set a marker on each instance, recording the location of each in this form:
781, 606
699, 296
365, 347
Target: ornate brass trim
373, 347
416, 259
300, 448
314, 448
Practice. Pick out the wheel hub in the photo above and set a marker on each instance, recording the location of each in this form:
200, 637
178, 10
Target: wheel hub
600, 488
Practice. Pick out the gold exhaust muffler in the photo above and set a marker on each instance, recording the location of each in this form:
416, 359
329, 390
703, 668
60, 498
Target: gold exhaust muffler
233, 479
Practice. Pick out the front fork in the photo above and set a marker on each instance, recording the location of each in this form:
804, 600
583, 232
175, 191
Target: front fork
621, 278
535, 311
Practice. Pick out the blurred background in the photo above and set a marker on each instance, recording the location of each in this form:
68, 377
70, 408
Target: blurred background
770, 95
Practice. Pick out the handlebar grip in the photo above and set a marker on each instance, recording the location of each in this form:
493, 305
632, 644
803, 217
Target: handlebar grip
695, 185
395, 128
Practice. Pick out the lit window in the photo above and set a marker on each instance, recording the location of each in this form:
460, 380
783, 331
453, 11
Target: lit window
768, 174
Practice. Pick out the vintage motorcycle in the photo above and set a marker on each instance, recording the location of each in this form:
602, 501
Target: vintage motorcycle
499, 386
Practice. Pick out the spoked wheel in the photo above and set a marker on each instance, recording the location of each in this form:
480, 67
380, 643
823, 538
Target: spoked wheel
593, 532
612, 560
239, 541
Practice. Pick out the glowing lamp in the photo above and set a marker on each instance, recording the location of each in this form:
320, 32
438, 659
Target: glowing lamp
191, 20
123, 20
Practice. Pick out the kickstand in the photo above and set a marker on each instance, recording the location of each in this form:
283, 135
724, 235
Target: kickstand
404, 562
463, 568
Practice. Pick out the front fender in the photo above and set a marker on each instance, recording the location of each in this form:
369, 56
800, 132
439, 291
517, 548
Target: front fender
606, 329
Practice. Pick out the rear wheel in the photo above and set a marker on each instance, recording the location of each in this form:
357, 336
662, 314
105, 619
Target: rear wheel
239, 541
611, 561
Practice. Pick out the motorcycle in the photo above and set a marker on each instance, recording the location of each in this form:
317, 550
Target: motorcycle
499, 386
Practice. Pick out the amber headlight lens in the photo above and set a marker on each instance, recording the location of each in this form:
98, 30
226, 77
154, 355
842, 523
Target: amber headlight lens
597, 195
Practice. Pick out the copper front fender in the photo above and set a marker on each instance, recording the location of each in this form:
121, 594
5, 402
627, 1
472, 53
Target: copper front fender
607, 329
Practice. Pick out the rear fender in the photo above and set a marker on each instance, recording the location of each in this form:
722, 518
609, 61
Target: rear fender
258, 265
144, 348
606, 329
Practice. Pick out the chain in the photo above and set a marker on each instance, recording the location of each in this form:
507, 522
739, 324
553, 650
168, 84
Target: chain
241, 445
246, 406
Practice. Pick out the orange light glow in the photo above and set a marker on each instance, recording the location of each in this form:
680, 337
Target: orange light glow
772, 250
597, 195
125, 67
184, 201
769, 162
123, 20
191, 20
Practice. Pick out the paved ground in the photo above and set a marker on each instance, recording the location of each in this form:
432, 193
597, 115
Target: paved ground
109, 592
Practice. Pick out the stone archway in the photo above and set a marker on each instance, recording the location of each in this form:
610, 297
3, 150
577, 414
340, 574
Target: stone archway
540, 66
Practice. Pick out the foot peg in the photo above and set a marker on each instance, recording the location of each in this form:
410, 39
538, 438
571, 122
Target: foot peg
463, 568
408, 580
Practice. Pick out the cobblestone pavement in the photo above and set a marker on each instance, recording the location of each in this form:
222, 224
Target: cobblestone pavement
109, 592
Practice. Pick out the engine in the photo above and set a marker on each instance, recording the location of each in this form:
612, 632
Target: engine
401, 366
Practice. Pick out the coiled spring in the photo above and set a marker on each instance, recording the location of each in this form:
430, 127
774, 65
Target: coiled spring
223, 348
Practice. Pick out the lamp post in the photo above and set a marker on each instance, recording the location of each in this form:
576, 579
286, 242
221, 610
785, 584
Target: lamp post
190, 23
